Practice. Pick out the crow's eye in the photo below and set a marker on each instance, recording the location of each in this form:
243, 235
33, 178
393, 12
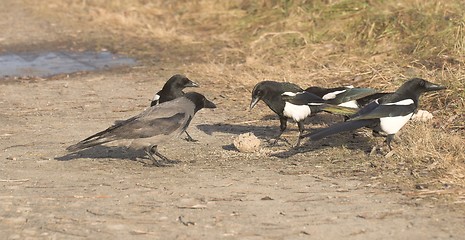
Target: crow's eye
422, 83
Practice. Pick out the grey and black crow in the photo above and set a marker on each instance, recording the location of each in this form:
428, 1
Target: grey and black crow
152, 127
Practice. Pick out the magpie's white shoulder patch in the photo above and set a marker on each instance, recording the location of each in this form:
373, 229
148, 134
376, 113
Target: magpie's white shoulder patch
156, 97
404, 102
290, 94
332, 95
349, 104
315, 104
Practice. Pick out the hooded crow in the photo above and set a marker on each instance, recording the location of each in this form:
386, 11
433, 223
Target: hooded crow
152, 127
288, 100
347, 96
387, 114
173, 89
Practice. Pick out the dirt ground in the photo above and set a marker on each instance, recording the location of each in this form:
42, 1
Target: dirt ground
214, 193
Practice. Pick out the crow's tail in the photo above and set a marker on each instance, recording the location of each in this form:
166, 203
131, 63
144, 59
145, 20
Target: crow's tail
96, 139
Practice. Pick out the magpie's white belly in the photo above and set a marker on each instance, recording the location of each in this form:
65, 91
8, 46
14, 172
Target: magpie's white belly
296, 112
349, 104
392, 125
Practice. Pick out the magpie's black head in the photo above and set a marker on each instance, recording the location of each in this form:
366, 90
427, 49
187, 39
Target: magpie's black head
265, 90
257, 94
179, 82
418, 86
199, 100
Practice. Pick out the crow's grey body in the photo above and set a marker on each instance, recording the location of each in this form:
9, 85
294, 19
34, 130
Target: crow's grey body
154, 126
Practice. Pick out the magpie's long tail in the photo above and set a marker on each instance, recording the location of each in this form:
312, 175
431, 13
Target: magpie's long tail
337, 128
346, 111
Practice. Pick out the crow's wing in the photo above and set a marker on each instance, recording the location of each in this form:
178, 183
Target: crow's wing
162, 119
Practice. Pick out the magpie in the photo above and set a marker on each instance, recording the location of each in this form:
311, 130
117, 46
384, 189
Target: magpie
154, 126
281, 98
347, 96
173, 89
387, 114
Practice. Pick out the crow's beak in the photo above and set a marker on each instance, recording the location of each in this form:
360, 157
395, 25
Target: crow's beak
433, 87
191, 84
209, 104
254, 102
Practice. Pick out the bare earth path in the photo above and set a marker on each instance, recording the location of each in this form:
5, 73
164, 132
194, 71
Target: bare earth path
215, 193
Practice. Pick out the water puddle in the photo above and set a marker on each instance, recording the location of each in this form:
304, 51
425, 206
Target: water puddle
48, 64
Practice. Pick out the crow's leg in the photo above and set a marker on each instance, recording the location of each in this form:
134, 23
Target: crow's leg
189, 138
149, 153
154, 150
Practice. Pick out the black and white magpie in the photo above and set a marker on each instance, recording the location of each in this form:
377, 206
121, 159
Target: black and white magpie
347, 96
288, 100
154, 126
173, 89
387, 114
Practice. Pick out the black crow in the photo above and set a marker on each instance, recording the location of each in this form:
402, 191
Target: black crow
387, 114
173, 89
153, 126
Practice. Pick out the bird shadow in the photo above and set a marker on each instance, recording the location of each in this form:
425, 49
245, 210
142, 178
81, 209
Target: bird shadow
236, 129
117, 152
350, 140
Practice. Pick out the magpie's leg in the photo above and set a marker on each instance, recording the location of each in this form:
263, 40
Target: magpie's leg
378, 134
189, 138
154, 150
282, 127
301, 131
389, 138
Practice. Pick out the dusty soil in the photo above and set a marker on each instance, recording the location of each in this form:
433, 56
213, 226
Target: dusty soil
216, 192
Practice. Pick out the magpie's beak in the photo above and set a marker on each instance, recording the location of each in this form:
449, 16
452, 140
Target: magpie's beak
254, 102
209, 104
191, 84
433, 87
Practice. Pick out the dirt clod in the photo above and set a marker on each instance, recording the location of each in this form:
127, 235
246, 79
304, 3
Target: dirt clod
247, 142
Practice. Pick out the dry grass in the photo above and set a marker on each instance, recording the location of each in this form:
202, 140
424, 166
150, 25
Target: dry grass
365, 43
